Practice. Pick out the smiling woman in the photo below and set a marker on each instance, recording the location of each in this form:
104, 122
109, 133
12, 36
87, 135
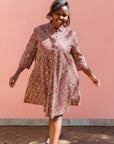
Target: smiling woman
54, 82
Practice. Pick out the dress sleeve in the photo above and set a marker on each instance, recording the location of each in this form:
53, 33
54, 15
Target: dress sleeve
30, 52
78, 57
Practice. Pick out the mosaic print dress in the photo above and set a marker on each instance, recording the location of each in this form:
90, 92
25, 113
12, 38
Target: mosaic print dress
54, 82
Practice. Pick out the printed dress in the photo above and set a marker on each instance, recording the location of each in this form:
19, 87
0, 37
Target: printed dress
54, 82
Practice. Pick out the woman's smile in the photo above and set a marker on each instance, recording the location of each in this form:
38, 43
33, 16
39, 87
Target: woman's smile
59, 21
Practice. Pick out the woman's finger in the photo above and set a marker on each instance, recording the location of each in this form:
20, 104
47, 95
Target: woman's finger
11, 82
99, 83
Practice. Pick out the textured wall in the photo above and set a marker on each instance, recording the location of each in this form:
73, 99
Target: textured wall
94, 24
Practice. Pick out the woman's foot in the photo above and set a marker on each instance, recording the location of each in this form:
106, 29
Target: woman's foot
47, 142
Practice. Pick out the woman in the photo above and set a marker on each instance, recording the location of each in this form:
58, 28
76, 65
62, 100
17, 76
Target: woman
54, 82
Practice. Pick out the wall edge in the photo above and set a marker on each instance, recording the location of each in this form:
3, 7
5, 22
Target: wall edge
65, 122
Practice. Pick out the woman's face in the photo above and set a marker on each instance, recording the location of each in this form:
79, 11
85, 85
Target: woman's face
60, 17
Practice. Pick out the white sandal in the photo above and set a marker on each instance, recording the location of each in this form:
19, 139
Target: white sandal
47, 142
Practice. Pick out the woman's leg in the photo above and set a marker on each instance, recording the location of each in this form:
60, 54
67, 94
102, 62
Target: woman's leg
55, 125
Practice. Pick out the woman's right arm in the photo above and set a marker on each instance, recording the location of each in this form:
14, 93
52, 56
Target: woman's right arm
14, 78
27, 57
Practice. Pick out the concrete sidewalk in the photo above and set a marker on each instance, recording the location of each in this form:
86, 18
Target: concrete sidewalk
69, 135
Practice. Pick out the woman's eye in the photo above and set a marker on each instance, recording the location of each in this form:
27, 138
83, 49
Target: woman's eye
58, 14
64, 15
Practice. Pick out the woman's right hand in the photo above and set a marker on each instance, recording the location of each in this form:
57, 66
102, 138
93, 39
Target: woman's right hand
13, 80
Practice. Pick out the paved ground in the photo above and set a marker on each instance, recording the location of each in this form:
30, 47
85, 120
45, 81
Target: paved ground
69, 135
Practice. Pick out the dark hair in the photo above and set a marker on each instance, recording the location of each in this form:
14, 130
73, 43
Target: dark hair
56, 5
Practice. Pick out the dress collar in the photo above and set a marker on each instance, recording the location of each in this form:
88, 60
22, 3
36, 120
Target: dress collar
61, 28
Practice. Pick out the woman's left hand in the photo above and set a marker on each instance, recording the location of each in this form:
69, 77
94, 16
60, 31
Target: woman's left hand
95, 80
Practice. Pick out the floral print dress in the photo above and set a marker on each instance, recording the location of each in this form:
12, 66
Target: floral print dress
54, 82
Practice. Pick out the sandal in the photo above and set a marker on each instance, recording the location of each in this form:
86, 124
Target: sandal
47, 142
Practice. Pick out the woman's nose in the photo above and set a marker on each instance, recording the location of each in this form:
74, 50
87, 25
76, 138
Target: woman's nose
61, 17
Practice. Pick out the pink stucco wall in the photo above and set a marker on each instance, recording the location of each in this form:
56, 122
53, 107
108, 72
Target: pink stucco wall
93, 21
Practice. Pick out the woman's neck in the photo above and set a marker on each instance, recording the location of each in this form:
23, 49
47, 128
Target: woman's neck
53, 25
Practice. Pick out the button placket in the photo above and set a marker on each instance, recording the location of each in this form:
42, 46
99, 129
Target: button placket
54, 39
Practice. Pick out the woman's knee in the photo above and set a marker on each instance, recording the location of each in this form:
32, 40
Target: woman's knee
58, 117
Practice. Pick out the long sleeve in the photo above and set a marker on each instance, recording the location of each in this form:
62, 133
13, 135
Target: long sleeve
78, 57
30, 52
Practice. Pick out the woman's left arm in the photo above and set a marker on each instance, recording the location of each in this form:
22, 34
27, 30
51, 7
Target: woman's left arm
80, 61
89, 73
